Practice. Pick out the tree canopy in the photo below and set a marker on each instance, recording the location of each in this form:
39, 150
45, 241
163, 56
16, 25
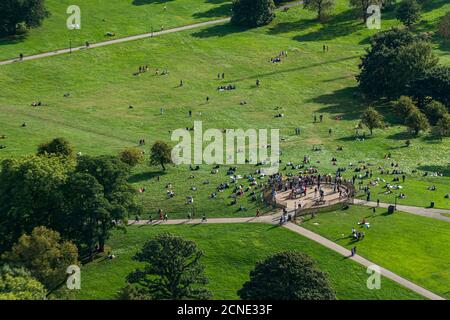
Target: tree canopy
18, 284
252, 13
409, 12
287, 276
161, 154
395, 59
172, 269
14, 13
44, 254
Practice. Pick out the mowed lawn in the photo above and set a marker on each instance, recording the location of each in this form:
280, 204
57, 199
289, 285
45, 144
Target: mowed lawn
231, 251
417, 248
98, 120
98, 17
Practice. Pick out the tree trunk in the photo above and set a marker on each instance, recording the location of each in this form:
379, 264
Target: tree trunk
162, 164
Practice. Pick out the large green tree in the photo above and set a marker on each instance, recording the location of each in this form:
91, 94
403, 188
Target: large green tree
116, 201
30, 13
442, 128
409, 12
435, 111
395, 59
322, 7
172, 269
287, 276
434, 84
252, 13
45, 255
31, 195
18, 284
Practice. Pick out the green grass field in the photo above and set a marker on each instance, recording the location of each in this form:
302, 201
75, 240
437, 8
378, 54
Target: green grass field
414, 247
231, 251
98, 121
122, 17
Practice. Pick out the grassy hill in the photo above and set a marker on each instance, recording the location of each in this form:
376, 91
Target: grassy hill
226, 268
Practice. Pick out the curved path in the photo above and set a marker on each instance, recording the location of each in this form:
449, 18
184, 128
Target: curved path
273, 219
424, 212
131, 38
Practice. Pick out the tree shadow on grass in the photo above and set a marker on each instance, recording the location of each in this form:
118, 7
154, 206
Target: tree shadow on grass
345, 102
223, 10
435, 168
145, 176
11, 40
221, 30
339, 25
145, 2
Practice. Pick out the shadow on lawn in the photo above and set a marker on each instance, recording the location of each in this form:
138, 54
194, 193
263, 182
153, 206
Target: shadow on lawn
221, 30
11, 40
221, 11
145, 176
339, 25
346, 102
434, 168
144, 2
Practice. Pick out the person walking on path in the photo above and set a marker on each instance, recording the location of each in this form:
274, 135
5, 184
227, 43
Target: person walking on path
204, 218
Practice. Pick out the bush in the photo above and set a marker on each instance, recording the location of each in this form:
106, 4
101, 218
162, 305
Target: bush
252, 13
131, 156
287, 276
435, 111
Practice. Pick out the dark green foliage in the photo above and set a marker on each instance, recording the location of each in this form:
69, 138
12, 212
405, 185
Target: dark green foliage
27, 12
409, 12
58, 146
253, 13
433, 83
172, 269
395, 58
287, 276
161, 154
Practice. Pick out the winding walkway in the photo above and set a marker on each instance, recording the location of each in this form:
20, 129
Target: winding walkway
424, 212
273, 219
131, 38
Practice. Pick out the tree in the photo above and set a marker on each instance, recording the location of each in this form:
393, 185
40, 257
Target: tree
287, 276
435, 111
31, 195
322, 7
442, 128
45, 255
18, 284
361, 7
131, 156
130, 292
252, 13
15, 12
444, 27
172, 269
58, 146
116, 199
416, 122
433, 84
409, 12
372, 119
404, 106
395, 59
161, 154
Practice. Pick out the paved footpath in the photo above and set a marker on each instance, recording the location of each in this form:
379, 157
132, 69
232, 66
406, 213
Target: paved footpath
424, 212
131, 38
273, 219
